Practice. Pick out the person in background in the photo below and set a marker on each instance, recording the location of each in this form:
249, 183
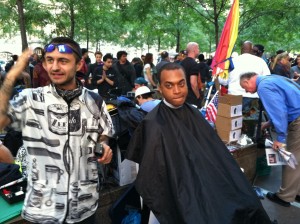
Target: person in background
92, 68
40, 75
192, 74
258, 50
150, 70
138, 66
164, 60
181, 55
295, 70
185, 170
81, 73
143, 58
143, 96
61, 124
282, 65
105, 77
203, 69
246, 62
285, 116
140, 81
126, 72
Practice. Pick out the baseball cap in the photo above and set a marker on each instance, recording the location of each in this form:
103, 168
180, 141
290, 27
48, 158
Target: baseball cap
140, 81
142, 90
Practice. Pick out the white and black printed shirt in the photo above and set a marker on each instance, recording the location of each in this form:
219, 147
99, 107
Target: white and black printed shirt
59, 140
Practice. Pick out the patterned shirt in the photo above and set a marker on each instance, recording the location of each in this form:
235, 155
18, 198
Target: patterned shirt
59, 140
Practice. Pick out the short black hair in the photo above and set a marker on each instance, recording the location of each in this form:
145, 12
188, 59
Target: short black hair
72, 43
260, 47
201, 57
169, 66
98, 52
107, 56
120, 53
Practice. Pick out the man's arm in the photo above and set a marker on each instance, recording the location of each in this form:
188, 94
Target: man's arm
8, 85
194, 85
5, 154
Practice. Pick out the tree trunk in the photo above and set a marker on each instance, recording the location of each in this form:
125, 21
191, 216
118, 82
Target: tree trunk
22, 24
158, 47
72, 18
178, 41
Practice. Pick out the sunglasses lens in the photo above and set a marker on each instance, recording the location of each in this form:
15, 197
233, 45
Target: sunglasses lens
62, 48
50, 48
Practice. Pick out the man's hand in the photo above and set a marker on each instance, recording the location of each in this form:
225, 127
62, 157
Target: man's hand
265, 125
16, 71
107, 155
277, 145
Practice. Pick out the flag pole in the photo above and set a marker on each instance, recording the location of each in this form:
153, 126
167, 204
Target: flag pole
225, 46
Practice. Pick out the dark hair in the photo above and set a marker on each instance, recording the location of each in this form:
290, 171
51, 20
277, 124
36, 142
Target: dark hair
107, 56
247, 75
145, 95
280, 51
260, 47
148, 59
98, 52
169, 66
15, 57
120, 53
201, 57
73, 44
83, 51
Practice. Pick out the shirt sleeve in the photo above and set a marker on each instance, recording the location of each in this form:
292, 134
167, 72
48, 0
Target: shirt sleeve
106, 122
17, 110
274, 103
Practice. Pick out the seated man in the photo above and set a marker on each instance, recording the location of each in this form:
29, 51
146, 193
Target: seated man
140, 81
143, 95
186, 173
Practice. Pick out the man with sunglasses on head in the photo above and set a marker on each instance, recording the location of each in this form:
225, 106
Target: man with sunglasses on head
62, 125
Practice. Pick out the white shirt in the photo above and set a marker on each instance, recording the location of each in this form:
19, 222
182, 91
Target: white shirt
242, 64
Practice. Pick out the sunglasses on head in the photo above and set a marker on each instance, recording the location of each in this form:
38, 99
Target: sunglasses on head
62, 48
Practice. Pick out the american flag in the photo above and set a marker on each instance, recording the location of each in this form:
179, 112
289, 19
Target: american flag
212, 108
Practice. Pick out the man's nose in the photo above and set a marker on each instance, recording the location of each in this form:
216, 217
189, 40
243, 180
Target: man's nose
55, 65
176, 89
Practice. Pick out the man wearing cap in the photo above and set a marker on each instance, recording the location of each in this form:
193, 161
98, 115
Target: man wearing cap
61, 125
140, 81
143, 95
164, 60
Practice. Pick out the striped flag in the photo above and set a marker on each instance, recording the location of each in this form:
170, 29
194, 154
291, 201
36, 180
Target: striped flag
222, 58
212, 108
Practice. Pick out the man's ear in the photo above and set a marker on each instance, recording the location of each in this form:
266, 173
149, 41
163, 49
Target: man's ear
44, 65
159, 89
79, 65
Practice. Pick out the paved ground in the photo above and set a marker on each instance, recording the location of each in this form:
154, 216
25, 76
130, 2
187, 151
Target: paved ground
283, 215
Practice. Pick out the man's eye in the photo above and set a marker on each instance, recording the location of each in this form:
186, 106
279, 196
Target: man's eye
182, 84
49, 60
168, 86
63, 61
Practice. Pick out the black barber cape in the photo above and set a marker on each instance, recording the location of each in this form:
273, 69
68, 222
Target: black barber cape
187, 174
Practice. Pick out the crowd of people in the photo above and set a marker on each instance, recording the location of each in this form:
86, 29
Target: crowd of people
185, 170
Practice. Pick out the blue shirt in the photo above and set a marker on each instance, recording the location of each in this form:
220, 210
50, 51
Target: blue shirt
149, 105
281, 99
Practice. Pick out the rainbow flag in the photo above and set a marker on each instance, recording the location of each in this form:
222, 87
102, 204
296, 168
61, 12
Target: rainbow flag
222, 58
